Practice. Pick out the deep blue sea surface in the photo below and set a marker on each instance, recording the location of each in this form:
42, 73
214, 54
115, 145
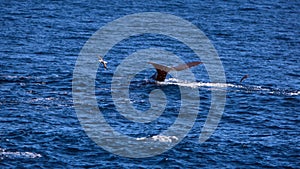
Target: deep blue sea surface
39, 45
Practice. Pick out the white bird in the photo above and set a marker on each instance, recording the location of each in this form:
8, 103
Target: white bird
103, 62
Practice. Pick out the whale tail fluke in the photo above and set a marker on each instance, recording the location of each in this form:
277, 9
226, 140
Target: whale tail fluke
162, 71
186, 66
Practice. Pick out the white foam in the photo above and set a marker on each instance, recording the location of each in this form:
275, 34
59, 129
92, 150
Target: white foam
10, 154
174, 81
164, 139
224, 86
295, 93
159, 138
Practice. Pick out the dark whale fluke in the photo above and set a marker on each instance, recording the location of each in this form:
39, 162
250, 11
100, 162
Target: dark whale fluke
243, 78
162, 71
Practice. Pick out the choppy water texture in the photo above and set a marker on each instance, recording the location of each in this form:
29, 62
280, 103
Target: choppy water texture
260, 127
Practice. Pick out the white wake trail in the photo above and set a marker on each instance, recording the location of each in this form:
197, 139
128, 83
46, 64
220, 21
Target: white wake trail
230, 87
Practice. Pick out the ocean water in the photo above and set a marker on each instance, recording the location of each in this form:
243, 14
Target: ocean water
260, 126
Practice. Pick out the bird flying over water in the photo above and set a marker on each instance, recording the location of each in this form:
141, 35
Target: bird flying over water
162, 71
243, 78
103, 62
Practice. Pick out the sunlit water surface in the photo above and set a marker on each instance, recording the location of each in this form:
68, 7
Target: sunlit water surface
260, 126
